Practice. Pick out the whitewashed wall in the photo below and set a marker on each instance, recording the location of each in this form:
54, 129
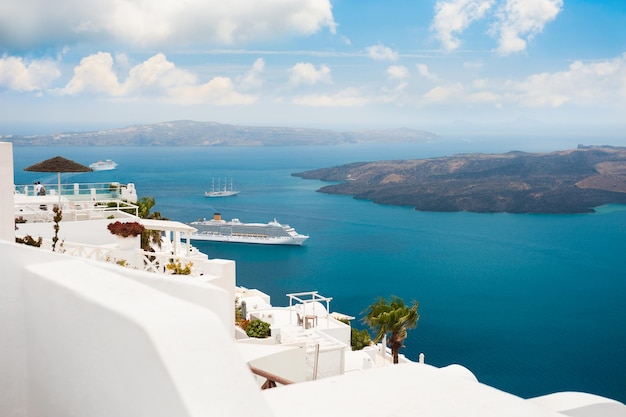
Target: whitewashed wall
81, 338
7, 221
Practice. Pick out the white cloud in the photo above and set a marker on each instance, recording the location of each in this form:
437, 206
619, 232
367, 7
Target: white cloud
452, 17
398, 72
94, 74
122, 60
423, 71
218, 91
513, 23
17, 75
381, 52
521, 20
592, 84
443, 93
156, 78
583, 84
29, 23
252, 79
349, 97
305, 73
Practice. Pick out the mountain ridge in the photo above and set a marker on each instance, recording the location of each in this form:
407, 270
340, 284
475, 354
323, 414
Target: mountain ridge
194, 133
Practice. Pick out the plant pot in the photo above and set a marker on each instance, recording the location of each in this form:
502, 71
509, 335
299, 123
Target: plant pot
126, 243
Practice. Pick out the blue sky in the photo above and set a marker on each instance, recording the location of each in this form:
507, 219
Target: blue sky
443, 65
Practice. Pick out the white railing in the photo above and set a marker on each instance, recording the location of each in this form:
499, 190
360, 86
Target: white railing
155, 262
158, 263
98, 209
93, 252
40, 211
103, 190
96, 253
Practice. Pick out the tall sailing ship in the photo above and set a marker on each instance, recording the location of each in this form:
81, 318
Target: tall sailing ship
219, 191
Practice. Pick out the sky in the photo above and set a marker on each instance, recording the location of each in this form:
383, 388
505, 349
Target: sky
440, 65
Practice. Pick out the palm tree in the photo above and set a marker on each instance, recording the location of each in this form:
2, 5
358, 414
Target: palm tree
394, 317
145, 204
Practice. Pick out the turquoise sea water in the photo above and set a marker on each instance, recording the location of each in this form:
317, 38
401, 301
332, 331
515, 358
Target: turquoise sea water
531, 304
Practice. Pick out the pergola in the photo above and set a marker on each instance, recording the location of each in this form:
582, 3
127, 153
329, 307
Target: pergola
169, 226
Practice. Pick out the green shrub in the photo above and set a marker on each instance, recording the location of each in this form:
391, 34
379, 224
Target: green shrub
360, 339
258, 328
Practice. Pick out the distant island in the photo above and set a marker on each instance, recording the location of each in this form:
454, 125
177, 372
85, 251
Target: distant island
192, 133
570, 181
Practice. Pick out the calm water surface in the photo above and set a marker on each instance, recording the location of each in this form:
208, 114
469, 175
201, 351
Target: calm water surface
531, 304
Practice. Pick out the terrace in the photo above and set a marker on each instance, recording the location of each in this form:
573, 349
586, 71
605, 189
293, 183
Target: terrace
78, 201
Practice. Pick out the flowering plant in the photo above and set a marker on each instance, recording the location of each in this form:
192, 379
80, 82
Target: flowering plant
178, 269
126, 229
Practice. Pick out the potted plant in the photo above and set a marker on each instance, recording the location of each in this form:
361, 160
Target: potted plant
127, 229
127, 234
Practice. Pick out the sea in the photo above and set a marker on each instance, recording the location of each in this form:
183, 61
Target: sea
530, 303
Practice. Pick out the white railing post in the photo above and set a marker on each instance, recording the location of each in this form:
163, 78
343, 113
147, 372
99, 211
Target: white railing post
316, 361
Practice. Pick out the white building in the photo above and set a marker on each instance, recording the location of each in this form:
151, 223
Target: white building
83, 337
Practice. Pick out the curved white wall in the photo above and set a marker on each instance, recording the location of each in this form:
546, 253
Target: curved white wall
84, 339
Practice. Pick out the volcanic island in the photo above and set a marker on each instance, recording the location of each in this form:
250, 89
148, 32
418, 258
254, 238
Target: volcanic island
569, 181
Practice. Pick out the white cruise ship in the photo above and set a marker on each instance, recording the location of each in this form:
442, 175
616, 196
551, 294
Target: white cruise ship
107, 165
272, 233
